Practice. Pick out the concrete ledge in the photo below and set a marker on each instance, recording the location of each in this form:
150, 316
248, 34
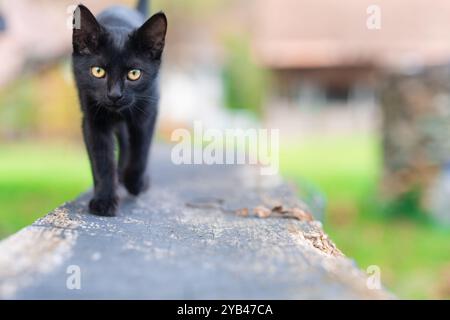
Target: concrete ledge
195, 235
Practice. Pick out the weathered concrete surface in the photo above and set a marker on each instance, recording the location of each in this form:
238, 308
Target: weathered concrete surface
182, 240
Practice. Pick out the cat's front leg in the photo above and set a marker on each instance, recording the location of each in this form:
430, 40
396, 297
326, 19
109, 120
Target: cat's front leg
136, 178
99, 142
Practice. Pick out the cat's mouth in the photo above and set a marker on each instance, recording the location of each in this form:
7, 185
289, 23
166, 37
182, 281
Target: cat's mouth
118, 108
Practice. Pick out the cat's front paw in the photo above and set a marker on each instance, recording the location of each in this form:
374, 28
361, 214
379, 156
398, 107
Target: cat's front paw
105, 207
136, 184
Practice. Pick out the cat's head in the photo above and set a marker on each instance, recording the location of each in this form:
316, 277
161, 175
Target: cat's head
115, 67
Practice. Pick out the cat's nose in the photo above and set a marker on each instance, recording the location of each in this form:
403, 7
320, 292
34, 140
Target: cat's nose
115, 92
115, 95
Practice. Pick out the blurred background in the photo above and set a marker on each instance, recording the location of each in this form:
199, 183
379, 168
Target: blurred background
363, 113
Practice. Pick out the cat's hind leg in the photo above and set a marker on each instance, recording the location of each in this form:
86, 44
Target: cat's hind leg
123, 142
136, 178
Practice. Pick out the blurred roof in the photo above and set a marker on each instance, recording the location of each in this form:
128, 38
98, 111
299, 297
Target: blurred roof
37, 32
320, 33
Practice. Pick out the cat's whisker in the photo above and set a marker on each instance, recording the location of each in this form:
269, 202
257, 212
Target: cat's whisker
99, 106
141, 110
132, 115
147, 98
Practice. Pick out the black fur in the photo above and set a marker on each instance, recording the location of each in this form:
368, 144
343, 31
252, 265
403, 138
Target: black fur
118, 40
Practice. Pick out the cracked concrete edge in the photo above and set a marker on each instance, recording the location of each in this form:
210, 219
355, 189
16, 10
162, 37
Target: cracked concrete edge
338, 267
35, 250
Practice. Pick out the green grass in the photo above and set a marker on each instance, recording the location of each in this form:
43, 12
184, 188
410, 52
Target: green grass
345, 168
414, 257
36, 178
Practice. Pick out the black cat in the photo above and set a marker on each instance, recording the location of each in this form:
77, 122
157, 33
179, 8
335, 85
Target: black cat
116, 61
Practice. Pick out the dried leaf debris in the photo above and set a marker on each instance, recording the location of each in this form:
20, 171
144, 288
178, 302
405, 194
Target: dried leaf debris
317, 239
277, 211
321, 241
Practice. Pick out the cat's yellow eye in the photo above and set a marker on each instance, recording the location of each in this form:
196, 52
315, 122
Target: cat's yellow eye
98, 72
134, 74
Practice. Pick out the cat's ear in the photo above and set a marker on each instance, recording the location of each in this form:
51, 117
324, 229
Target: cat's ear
151, 35
86, 31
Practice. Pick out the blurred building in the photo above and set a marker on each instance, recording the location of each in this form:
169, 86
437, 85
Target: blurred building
328, 44
322, 54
